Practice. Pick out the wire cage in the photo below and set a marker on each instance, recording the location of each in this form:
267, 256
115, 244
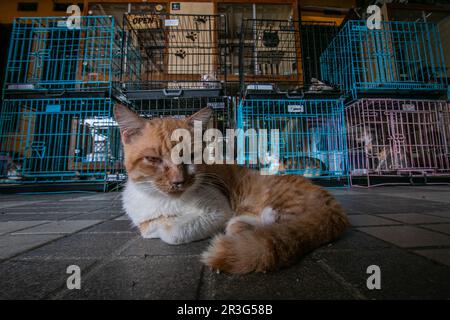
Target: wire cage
315, 38
399, 57
222, 119
283, 55
397, 137
310, 134
174, 55
270, 54
59, 140
63, 54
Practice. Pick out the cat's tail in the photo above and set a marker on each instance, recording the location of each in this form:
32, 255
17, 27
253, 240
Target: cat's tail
265, 247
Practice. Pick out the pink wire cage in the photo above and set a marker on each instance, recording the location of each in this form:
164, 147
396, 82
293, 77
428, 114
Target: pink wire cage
398, 137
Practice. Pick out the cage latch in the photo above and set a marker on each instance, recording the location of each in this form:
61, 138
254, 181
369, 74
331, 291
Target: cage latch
172, 93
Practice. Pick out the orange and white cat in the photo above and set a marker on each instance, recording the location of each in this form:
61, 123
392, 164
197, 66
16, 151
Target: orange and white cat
260, 222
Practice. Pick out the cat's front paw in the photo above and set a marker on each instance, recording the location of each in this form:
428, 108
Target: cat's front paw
170, 234
149, 230
151, 233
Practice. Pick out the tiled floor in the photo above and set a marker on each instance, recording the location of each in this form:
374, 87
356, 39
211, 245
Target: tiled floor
403, 230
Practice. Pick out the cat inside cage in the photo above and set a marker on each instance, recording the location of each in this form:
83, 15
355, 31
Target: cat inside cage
310, 146
396, 138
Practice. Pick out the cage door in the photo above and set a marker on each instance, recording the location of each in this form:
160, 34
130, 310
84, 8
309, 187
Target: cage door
396, 156
414, 138
61, 56
37, 55
46, 147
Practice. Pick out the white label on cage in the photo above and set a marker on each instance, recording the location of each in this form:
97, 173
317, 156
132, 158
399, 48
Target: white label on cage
21, 87
265, 87
216, 105
409, 107
296, 108
171, 22
61, 24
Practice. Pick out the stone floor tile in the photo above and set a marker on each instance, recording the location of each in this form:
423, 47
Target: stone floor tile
407, 236
13, 245
439, 255
11, 226
369, 220
414, 218
82, 245
59, 227
36, 279
174, 277
444, 228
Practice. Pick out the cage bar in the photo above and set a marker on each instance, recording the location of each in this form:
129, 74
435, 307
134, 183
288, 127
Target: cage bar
63, 54
399, 57
312, 136
174, 55
397, 137
60, 140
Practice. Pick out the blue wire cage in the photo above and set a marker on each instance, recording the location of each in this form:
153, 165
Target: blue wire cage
59, 140
399, 57
50, 54
311, 136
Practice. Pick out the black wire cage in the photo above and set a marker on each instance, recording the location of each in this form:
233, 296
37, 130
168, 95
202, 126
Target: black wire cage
283, 55
174, 55
222, 119
315, 37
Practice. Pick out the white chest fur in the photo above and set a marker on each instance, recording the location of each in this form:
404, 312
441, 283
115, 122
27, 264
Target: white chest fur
144, 205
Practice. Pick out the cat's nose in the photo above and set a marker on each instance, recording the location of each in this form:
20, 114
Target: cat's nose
177, 184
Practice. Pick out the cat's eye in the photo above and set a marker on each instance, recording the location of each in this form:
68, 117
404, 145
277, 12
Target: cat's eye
153, 160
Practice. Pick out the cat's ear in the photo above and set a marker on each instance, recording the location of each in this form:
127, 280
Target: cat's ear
129, 122
203, 116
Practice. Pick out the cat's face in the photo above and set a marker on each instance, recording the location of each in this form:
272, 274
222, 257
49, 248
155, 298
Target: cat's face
148, 150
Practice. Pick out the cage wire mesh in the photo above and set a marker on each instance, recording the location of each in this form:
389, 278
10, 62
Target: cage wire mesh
400, 57
60, 140
284, 53
270, 53
53, 54
312, 136
177, 54
394, 137
174, 65
222, 118
315, 36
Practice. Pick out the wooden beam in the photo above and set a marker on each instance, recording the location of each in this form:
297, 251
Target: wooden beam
85, 7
